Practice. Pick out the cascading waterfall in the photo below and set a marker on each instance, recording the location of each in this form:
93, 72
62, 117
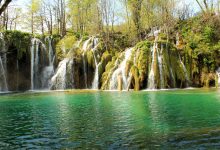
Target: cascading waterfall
51, 52
151, 77
218, 74
160, 62
4, 51
3, 65
92, 44
64, 71
86, 44
85, 48
3, 81
37, 79
95, 83
121, 70
48, 71
85, 70
64, 76
185, 71
32, 62
172, 76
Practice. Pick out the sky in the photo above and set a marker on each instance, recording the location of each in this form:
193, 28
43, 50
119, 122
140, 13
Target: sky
119, 7
191, 2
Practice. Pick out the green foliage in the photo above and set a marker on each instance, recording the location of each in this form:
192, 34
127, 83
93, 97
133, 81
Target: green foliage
135, 74
20, 40
64, 46
90, 58
201, 38
144, 45
208, 34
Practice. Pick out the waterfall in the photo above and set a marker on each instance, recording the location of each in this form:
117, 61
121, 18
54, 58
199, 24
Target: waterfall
86, 43
63, 77
91, 44
37, 79
3, 65
218, 78
85, 70
177, 39
151, 77
79, 42
95, 83
3, 81
174, 80
60, 77
121, 70
160, 62
218, 74
185, 71
32, 63
84, 48
48, 71
51, 51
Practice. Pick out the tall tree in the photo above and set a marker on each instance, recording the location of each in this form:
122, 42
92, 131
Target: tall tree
4, 5
83, 15
33, 10
208, 6
135, 6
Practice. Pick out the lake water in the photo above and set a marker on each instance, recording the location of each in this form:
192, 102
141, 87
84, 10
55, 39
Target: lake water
181, 119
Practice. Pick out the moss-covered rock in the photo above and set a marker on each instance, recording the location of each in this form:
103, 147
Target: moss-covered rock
19, 40
64, 46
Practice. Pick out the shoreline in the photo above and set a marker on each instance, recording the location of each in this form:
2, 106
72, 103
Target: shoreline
72, 91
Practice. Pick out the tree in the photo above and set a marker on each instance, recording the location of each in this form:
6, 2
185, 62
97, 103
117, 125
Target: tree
83, 15
4, 5
33, 9
208, 6
135, 6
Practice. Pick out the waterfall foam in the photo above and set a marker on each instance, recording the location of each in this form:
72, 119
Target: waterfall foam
51, 51
95, 83
218, 74
121, 70
64, 71
151, 77
65, 67
84, 48
3, 65
185, 71
3, 81
41, 63
160, 62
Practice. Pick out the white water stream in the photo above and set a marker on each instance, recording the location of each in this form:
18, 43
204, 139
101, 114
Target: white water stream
121, 70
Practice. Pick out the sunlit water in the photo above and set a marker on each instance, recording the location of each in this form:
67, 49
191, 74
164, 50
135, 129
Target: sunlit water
111, 120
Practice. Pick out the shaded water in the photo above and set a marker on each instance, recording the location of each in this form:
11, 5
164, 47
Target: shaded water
90, 119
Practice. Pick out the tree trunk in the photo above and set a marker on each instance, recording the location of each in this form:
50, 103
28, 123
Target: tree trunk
4, 6
32, 23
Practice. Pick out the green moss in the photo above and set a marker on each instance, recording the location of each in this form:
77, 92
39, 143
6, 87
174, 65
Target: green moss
20, 40
64, 46
109, 68
135, 74
90, 58
145, 45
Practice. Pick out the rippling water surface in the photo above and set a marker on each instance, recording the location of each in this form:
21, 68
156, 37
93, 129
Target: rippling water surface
111, 120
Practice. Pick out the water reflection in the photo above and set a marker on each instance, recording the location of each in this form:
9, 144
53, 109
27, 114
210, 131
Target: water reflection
110, 120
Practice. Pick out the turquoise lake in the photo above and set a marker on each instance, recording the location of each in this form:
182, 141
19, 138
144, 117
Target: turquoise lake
175, 119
